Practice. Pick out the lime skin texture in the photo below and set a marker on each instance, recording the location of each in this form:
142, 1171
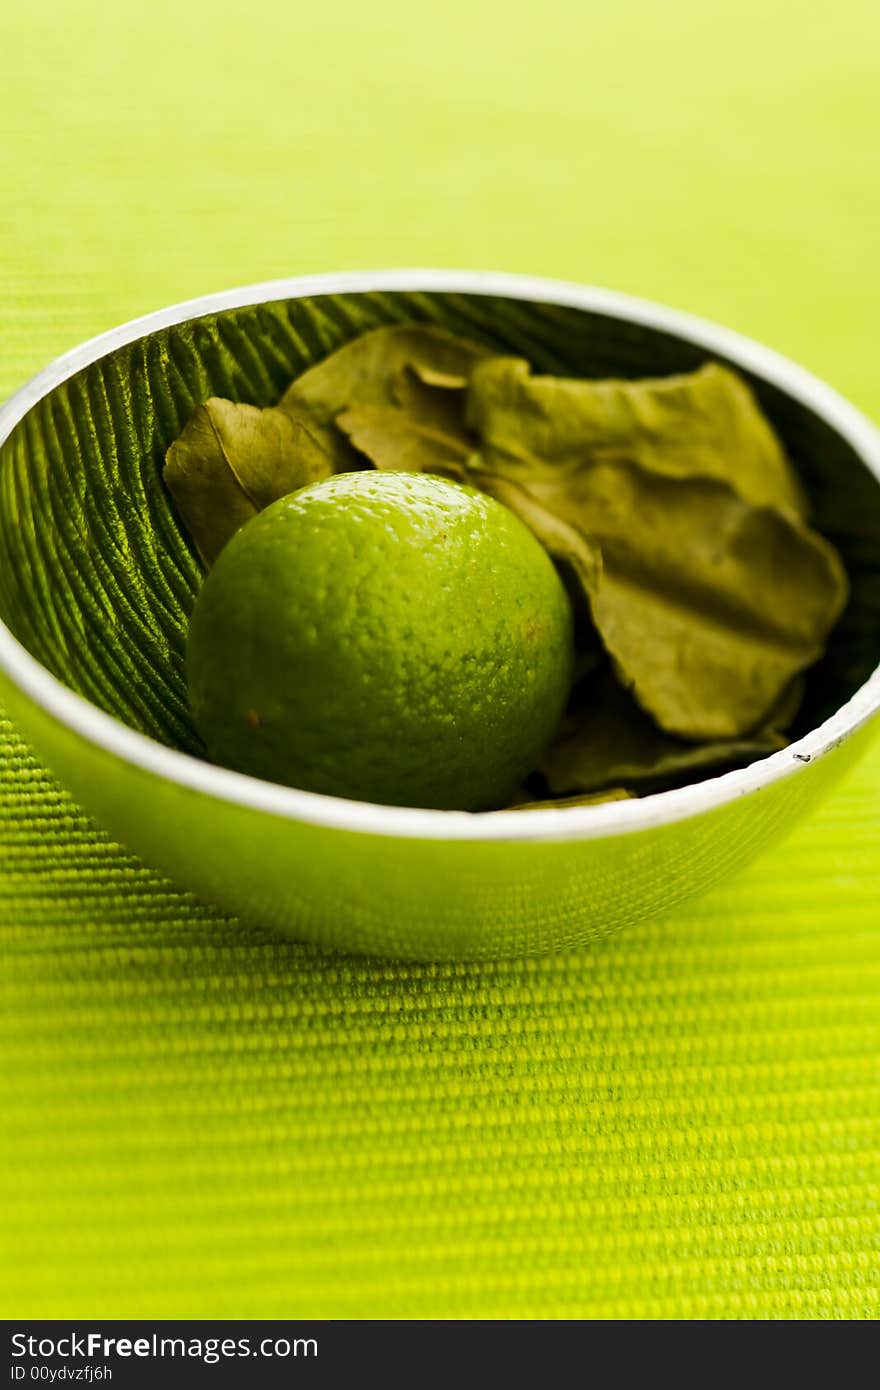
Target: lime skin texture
386, 637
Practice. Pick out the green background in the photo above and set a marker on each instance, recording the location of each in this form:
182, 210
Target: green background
199, 1120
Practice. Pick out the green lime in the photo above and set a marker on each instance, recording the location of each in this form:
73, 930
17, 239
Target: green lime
388, 637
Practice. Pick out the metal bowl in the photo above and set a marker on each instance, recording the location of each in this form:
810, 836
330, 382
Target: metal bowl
96, 583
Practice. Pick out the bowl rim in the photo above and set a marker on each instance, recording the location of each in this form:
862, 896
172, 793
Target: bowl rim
565, 823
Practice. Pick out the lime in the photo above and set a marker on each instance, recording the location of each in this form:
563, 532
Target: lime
389, 637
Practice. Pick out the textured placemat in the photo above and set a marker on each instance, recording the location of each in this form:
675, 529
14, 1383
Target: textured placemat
201, 1120
683, 1122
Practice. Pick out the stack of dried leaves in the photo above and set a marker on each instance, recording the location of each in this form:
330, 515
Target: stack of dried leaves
701, 592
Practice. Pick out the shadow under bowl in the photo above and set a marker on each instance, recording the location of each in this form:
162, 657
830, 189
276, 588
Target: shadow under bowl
97, 582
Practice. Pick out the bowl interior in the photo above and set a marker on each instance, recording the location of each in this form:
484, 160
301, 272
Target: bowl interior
97, 578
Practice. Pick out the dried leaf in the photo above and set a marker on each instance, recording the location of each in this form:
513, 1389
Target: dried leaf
231, 461
394, 440
707, 606
703, 424
608, 740
270, 453
784, 712
367, 371
434, 399
444, 381
585, 799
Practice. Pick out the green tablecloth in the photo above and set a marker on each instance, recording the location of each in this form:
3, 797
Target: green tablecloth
201, 1120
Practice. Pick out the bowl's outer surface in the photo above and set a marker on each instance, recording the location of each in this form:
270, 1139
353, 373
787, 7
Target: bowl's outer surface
412, 897
96, 583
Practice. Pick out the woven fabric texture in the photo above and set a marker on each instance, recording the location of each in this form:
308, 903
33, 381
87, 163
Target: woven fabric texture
203, 1120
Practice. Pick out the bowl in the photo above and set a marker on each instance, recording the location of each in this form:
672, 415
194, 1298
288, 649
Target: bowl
97, 581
